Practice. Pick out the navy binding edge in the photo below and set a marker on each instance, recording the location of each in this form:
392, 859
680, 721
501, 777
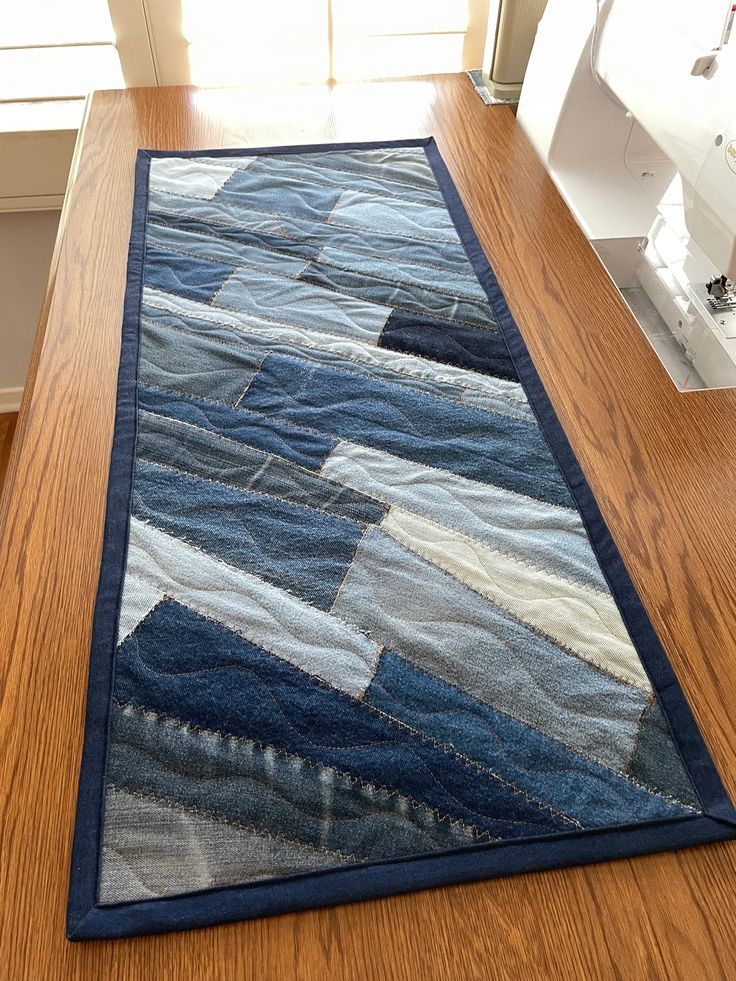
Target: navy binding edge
86, 920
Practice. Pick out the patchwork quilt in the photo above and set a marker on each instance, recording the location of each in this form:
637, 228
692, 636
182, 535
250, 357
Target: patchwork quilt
361, 627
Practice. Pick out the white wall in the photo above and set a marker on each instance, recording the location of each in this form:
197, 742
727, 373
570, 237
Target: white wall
26, 243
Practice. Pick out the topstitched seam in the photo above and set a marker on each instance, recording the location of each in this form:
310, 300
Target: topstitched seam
440, 816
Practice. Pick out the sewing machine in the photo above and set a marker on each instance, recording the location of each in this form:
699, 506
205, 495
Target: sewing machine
632, 106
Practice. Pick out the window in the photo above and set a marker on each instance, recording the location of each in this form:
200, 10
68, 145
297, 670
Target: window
53, 52
229, 42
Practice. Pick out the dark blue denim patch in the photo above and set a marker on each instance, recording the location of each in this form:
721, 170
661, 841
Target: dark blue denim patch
592, 794
456, 344
653, 762
162, 439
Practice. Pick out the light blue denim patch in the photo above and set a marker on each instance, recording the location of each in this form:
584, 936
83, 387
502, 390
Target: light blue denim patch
406, 165
372, 178
300, 304
410, 606
278, 193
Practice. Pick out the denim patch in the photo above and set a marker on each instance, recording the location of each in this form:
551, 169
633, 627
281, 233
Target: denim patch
244, 237
448, 343
407, 165
204, 454
294, 303
362, 209
300, 446
410, 298
278, 193
321, 171
200, 367
300, 549
197, 279
592, 794
653, 763
157, 847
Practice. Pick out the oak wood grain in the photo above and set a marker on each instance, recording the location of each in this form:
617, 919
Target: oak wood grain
8, 422
662, 466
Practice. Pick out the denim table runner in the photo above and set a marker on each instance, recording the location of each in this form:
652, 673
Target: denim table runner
360, 626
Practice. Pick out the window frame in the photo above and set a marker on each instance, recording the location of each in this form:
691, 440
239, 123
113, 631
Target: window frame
39, 156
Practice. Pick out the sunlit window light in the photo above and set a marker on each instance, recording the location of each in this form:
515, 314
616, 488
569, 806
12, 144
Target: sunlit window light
53, 50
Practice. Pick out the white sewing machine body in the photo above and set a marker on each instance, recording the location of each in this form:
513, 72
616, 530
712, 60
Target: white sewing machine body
645, 154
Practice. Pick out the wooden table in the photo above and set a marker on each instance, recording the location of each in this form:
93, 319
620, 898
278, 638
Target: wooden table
663, 466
